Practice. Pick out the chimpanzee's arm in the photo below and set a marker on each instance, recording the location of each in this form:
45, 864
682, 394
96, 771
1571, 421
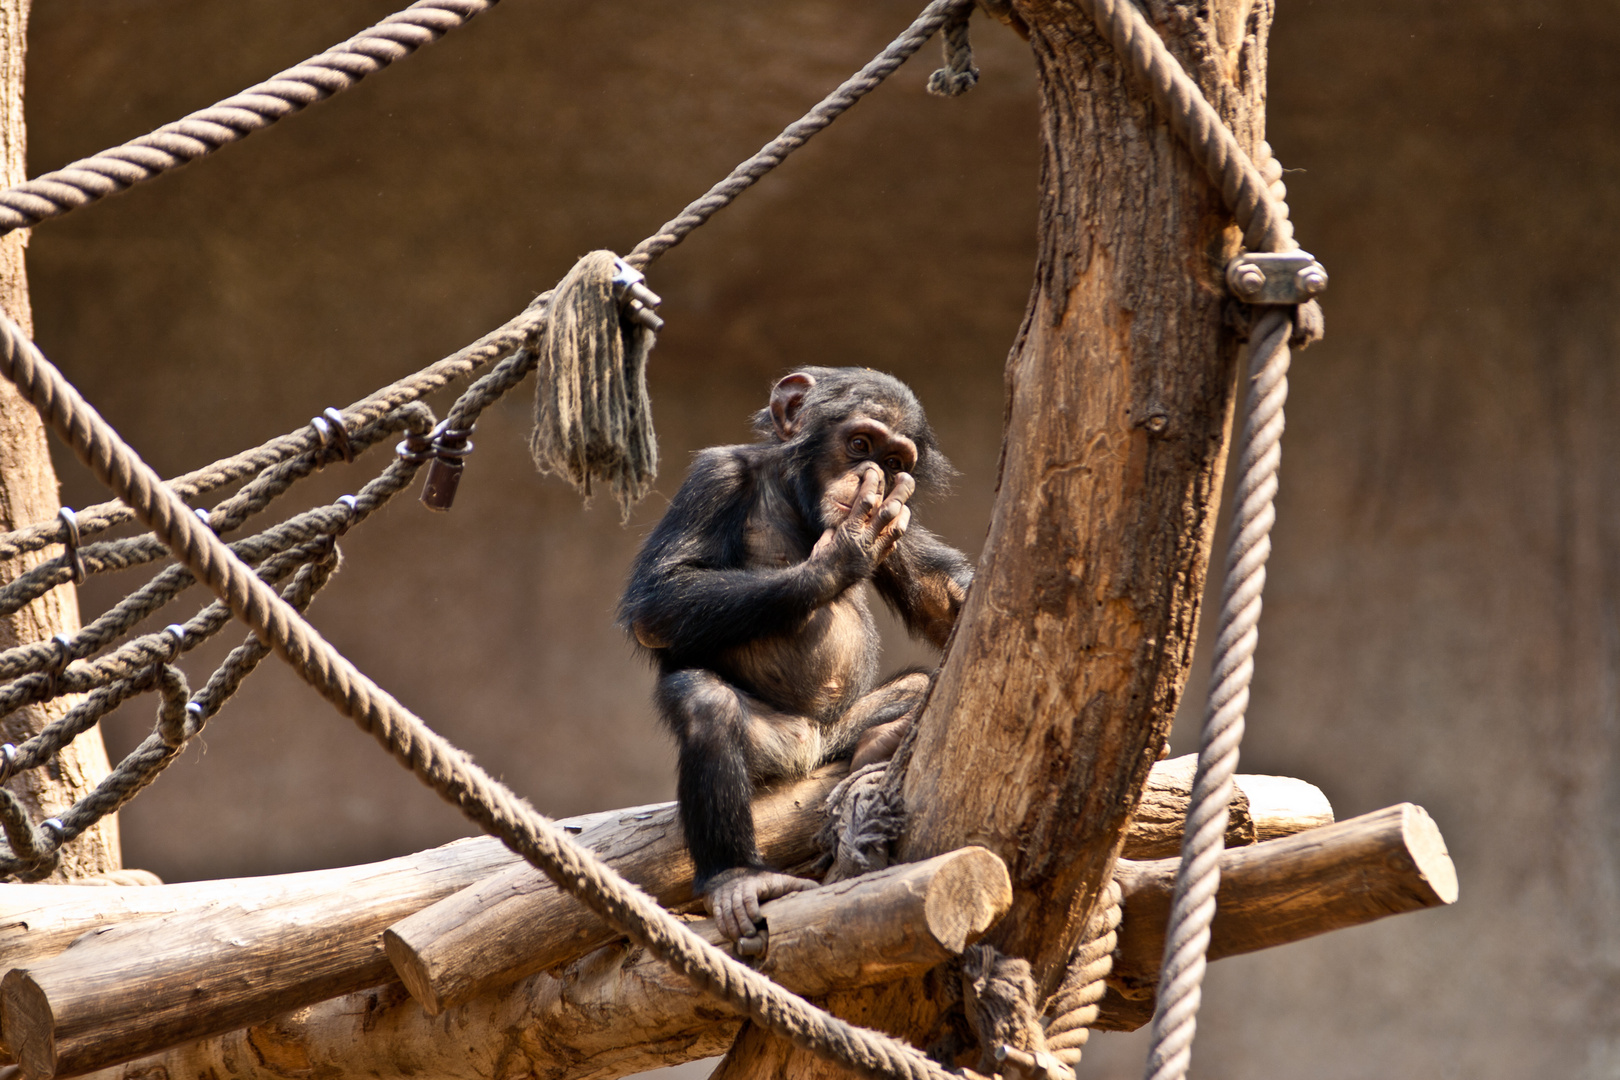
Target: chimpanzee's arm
924, 580
689, 591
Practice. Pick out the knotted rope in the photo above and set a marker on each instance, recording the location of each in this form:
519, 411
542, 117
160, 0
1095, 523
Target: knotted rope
277, 623
592, 415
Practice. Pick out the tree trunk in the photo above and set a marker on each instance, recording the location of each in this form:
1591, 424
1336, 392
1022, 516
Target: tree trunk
1069, 660
28, 495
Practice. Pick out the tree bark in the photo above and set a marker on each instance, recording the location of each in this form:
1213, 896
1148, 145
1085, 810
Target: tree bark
28, 495
1072, 650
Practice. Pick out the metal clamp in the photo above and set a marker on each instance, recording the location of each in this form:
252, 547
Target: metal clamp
1276, 277
75, 557
450, 445
333, 434
629, 285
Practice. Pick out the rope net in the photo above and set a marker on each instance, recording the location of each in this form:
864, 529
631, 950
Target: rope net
268, 578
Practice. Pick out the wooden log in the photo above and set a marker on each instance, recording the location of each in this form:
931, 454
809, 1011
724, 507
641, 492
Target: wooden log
616, 1011
518, 922
210, 957
176, 967
39, 921
1383, 863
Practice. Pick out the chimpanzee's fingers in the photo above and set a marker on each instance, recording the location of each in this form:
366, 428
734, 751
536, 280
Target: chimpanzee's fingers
752, 945
905, 485
750, 900
728, 912
869, 494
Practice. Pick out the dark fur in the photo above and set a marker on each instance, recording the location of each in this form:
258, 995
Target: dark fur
767, 659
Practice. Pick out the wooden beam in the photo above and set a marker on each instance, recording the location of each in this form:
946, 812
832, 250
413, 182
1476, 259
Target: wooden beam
518, 922
1387, 862
170, 964
615, 1011
210, 957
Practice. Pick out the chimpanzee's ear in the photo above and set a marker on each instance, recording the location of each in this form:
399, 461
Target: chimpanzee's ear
787, 396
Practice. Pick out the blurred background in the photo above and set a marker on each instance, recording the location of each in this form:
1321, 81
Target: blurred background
1443, 618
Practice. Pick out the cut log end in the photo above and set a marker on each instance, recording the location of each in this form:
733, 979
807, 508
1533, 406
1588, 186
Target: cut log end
28, 1028
1282, 806
1430, 859
966, 897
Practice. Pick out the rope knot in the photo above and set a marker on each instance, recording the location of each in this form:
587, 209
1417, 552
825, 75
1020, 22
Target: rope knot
863, 821
958, 76
592, 415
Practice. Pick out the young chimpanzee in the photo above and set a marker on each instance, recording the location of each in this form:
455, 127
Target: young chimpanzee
749, 596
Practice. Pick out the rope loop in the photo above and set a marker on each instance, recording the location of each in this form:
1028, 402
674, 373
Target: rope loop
958, 76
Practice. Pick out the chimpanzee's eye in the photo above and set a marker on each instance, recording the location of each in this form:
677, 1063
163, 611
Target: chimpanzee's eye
894, 465
859, 445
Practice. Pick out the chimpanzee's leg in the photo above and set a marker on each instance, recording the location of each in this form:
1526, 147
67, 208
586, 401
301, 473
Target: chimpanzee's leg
726, 741
873, 726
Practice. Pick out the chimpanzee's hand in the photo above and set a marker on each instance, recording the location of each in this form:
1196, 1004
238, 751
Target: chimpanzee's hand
864, 524
733, 898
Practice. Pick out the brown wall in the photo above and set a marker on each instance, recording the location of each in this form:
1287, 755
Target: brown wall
1442, 620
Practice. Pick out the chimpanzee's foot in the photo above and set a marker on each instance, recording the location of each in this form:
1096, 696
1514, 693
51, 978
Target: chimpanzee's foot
733, 898
879, 743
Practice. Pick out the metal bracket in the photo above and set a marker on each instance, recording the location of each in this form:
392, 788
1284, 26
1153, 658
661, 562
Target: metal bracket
629, 285
1276, 277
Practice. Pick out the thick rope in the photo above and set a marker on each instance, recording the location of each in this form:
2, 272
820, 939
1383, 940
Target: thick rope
1175, 1017
796, 134
1077, 1004
254, 109
1263, 217
439, 764
1246, 193
499, 342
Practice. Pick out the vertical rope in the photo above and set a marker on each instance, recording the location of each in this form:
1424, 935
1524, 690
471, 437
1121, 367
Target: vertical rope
1175, 1018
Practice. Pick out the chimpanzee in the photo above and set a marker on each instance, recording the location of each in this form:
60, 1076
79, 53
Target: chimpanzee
749, 597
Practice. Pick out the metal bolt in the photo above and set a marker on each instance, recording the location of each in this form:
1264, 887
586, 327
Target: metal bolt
1312, 280
1248, 280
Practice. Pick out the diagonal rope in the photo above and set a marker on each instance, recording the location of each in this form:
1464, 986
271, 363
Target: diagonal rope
254, 109
798, 133
435, 761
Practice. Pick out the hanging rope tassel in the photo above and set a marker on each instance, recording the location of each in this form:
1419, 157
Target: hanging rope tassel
592, 415
958, 76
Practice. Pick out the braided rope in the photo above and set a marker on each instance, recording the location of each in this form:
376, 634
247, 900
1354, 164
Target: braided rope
433, 759
499, 342
1077, 1003
1245, 191
254, 109
796, 134
1175, 1017
1254, 195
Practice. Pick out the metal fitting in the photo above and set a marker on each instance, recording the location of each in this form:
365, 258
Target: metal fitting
629, 285
75, 557
1276, 277
450, 445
